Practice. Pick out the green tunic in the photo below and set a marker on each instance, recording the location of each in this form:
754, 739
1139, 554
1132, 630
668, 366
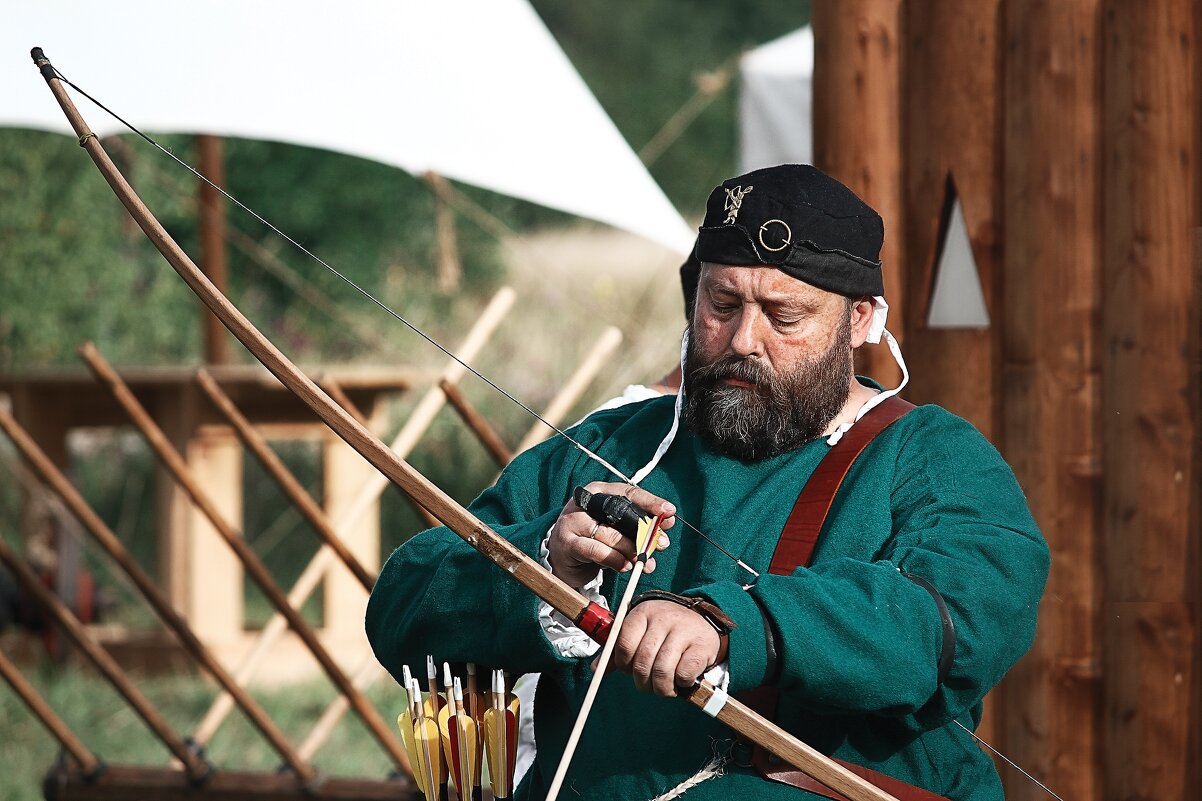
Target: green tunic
858, 642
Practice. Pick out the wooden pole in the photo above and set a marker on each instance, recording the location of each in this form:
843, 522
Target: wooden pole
450, 274
406, 440
275, 468
857, 133
112, 545
573, 388
1051, 377
1150, 399
87, 761
479, 426
211, 157
175, 463
198, 770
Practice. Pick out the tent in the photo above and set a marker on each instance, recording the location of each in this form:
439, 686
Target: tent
475, 90
775, 100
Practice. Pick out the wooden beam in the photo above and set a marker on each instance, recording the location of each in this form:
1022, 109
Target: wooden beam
1051, 126
132, 783
857, 133
1150, 399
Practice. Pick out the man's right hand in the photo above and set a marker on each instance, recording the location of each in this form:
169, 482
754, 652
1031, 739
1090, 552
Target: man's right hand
579, 545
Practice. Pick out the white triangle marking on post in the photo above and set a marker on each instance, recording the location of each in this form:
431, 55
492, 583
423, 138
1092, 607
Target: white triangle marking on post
957, 300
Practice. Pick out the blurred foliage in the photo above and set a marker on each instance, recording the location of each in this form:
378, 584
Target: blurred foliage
642, 59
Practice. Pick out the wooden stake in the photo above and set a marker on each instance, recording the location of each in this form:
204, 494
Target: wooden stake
196, 767
112, 545
571, 391
275, 468
175, 464
857, 134
1050, 715
87, 761
211, 208
410, 434
484, 432
1151, 475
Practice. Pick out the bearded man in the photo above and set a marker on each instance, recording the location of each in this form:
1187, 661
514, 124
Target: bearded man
875, 645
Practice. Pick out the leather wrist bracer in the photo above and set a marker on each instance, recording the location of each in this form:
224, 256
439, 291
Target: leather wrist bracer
711, 613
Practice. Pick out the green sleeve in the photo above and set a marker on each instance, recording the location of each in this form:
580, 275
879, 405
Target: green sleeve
436, 595
856, 636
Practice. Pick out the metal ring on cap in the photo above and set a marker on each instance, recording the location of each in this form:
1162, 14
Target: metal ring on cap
788, 235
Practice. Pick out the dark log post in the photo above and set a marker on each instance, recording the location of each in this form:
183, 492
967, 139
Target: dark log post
857, 133
211, 157
1051, 377
1150, 399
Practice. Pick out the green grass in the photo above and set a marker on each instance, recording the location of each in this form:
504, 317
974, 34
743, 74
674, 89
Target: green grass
111, 730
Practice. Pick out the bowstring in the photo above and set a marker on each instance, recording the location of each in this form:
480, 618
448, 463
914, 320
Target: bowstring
558, 431
388, 309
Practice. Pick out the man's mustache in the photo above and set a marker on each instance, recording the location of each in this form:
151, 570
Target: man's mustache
737, 368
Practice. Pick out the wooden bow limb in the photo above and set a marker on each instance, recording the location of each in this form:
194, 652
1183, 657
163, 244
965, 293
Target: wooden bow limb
457, 518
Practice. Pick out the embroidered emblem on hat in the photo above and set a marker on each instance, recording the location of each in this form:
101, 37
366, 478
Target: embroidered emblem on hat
787, 234
734, 200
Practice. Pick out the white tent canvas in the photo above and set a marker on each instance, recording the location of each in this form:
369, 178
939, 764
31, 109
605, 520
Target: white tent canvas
775, 101
476, 90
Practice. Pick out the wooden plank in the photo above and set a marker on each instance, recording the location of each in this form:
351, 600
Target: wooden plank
133, 783
857, 133
1150, 529
1051, 264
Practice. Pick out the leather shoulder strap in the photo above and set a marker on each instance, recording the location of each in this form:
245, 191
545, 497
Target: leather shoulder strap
802, 529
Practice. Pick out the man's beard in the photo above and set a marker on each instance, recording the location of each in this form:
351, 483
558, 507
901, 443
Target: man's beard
778, 413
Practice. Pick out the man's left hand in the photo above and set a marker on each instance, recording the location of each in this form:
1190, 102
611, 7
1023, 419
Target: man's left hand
664, 645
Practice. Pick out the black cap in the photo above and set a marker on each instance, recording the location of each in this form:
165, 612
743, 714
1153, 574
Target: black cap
799, 219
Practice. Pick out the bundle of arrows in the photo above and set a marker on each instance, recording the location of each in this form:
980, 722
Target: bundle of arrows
449, 735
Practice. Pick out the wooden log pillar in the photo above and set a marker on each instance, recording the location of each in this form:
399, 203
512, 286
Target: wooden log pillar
857, 133
952, 107
345, 473
1051, 126
953, 150
1151, 399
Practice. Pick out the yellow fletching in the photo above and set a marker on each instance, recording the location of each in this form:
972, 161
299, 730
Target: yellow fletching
648, 535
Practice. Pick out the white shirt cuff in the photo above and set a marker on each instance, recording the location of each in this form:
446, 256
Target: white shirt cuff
565, 637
